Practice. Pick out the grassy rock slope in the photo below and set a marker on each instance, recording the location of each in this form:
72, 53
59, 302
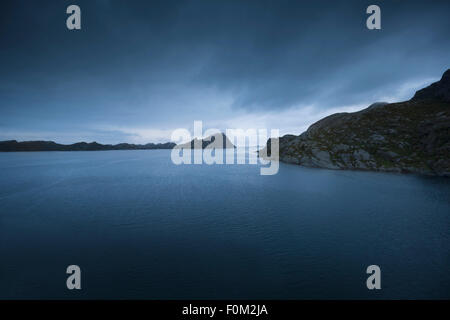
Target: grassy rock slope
410, 136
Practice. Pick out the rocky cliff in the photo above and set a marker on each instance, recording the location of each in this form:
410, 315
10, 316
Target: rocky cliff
410, 136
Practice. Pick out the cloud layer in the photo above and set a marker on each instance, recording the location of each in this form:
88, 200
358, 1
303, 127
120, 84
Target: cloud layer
139, 69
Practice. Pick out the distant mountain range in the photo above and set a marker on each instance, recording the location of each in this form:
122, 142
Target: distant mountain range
410, 136
13, 145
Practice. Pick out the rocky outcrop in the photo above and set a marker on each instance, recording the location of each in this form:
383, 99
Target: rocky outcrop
212, 141
410, 136
438, 91
13, 145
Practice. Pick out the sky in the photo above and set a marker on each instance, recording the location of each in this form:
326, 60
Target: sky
137, 70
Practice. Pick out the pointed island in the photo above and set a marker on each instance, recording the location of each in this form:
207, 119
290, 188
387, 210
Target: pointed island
204, 143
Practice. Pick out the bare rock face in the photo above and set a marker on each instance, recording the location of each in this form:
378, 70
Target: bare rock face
410, 136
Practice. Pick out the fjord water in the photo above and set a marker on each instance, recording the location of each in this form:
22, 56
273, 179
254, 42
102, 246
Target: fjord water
142, 227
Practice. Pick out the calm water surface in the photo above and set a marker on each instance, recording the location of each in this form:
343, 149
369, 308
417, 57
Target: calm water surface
141, 227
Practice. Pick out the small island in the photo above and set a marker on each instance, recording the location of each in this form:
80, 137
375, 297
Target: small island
211, 142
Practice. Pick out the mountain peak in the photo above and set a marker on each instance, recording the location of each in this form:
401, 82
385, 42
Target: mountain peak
205, 142
439, 90
446, 75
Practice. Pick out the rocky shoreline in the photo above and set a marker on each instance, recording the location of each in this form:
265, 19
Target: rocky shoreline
411, 136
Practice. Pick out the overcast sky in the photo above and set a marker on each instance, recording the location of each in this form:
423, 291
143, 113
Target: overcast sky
139, 69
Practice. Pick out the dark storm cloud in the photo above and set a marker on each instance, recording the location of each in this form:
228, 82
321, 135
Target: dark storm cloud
154, 60
320, 52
